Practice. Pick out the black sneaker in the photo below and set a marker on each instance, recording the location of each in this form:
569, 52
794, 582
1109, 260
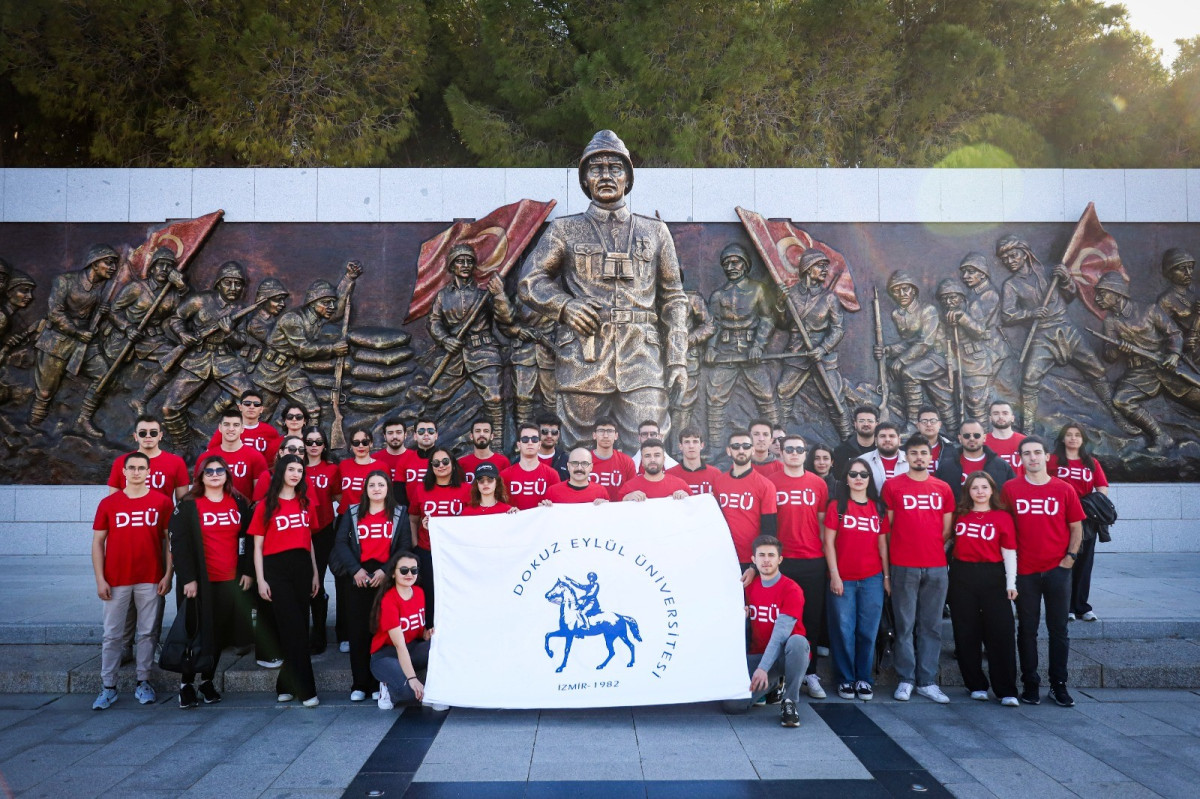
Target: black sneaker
209, 693
788, 715
864, 690
1031, 695
187, 696
775, 695
1058, 692
846, 690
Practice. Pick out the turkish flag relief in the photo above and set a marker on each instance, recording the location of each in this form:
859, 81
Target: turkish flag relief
780, 245
1091, 254
183, 238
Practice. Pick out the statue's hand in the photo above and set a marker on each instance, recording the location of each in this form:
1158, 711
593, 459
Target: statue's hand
677, 380
453, 346
953, 317
755, 354
495, 286
135, 335
1062, 274
710, 356
175, 278
1171, 361
354, 270
341, 348
1041, 313
526, 335
581, 317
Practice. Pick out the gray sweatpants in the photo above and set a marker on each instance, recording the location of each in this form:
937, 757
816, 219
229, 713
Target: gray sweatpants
791, 667
144, 597
918, 596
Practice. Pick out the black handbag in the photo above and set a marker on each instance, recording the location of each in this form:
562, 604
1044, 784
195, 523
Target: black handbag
183, 650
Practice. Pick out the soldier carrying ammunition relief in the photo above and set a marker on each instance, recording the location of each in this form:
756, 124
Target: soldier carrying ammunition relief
968, 347
14, 333
76, 307
532, 359
700, 330
917, 361
256, 330
1180, 300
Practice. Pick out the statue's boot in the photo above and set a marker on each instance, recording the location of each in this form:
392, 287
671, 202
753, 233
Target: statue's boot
156, 383
1159, 440
84, 421
717, 432
1104, 392
178, 431
39, 411
494, 411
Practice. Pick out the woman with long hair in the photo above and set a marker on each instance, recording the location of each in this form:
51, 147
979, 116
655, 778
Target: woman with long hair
489, 495
443, 492
351, 478
1073, 462
983, 585
400, 645
367, 537
286, 570
820, 463
291, 419
207, 531
856, 551
322, 482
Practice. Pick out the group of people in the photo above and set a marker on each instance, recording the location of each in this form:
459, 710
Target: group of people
825, 536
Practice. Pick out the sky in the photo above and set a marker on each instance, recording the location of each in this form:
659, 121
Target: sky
1165, 21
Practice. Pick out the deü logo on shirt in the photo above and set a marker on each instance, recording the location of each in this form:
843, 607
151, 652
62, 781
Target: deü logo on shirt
286, 521
1038, 507
703, 487
863, 523
223, 519
352, 483
375, 530
803, 496
987, 532
922, 501
157, 480
239, 469
609, 479
768, 613
1075, 473
320, 480
442, 507
137, 518
522, 488
736, 501
412, 620
412, 475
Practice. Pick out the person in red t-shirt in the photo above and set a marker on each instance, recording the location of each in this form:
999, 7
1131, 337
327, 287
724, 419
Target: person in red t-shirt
322, 474
368, 535
983, 584
920, 513
929, 424
351, 477
481, 439
286, 571
647, 430
800, 498
168, 471
244, 461
208, 544
747, 499
489, 496
132, 564
1073, 462
401, 643
778, 649
395, 434
1003, 439
1049, 522
443, 492
578, 488
292, 418
529, 478
611, 468
655, 483
856, 551
262, 438
699, 476
762, 460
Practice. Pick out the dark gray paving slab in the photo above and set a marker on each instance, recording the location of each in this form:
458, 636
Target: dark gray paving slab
81, 782
228, 780
1014, 778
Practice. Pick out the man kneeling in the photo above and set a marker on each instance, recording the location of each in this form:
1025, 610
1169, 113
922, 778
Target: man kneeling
778, 648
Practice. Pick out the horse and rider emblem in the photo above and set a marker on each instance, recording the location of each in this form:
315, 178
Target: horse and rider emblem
580, 616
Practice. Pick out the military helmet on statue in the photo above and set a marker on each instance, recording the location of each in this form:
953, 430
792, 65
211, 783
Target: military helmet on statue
230, 269
98, 252
18, 278
974, 260
901, 278
462, 248
605, 142
270, 288
735, 250
319, 290
1174, 258
165, 254
810, 258
950, 286
1114, 282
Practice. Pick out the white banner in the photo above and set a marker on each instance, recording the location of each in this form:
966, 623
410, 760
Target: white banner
625, 603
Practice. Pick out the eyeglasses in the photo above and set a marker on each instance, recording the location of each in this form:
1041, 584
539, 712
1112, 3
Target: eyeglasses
294, 417
580, 464
149, 433
407, 570
928, 421
858, 475
252, 403
528, 439
314, 442
736, 447
546, 431
426, 431
295, 449
606, 431
361, 442
136, 469
436, 462
970, 435
214, 471
794, 450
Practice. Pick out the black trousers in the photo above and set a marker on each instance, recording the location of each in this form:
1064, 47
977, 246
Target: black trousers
266, 632
222, 599
290, 576
1053, 588
322, 542
1081, 577
359, 602
812, 574
425, 580
983, 615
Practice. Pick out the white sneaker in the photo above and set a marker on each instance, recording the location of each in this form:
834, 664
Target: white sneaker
935, 693
284, 698
903, 692
384, 702
344, 647
1070, 617
439, 708
106, 699
144, 693
358, 696
270, 664
822, 651
980, 696
812, 684
1089, 616
1010, 701
311, 702
374, 696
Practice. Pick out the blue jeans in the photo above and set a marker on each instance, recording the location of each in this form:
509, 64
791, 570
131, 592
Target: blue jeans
853, 624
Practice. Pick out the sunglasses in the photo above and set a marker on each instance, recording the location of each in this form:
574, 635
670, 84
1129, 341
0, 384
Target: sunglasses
970, 435
252, 403
294, 417
436, 462
295, 449
314, 442
214, 471
528, 439
426, 431
736, 447
361, 442
794, 450
148, 433
858, 475
548, 432
407, 570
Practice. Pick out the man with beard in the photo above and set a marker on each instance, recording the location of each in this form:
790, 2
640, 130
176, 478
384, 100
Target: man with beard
972, 455
863, 441
481, 438
1003, 440
929, 425
410, 466
528, 479
549, 452
699, 476
886, 460
647, 430
655, 483
921, 515
918, 364
747, 499
395, 432
76, 307
611, 468
578, 489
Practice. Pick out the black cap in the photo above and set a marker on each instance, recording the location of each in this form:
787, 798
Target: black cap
486, 470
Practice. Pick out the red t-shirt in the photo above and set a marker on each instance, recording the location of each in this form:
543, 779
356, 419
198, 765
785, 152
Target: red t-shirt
408, 470
935, 452
980, 535
969, 467
1007, 449
437, 501
665, 487
289, 528
388, 460
612, 472
395, 611
219, 526
263, 438
889, 466
322, 483
528, 488
245, 466
743, 501
1078, 476
799, 500
352, 479
133, 550
767, 469
375, 537
470, 462
566, 494
480, 510
857, 540
766, 603
1042, 514
700, 481
167, 473
918, 511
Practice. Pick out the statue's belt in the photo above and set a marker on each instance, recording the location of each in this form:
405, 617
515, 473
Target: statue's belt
480, 340
280, 359
625, 316
737, 336
215, 348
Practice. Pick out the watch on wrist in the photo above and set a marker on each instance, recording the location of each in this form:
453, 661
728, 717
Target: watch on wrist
1073, 555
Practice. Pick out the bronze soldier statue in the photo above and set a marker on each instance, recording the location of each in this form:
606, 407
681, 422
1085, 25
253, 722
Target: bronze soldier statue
14, 332
918, 364
821, 313
469, 340
296, 338
532, 359
700, 329
969, 349
270, 300
1027, 298
983, 304
1180, 300
76, 308
611, 281
1151, 343
742, 326
204, 324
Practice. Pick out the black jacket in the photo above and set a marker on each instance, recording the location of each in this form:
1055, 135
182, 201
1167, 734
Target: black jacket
950, 467
1100, 514
346, 558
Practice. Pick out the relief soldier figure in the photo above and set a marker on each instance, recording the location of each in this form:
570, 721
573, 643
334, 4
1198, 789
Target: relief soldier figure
296, 338
741, 312
969, 349
76, 308
983, 304
532, 359
821, 314
469, 339
270, 300
205, 324
700, 330
1180, 300
1151, 344
611, 281
918, 364
14, 333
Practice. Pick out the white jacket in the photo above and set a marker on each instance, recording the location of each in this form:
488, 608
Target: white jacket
873, 460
